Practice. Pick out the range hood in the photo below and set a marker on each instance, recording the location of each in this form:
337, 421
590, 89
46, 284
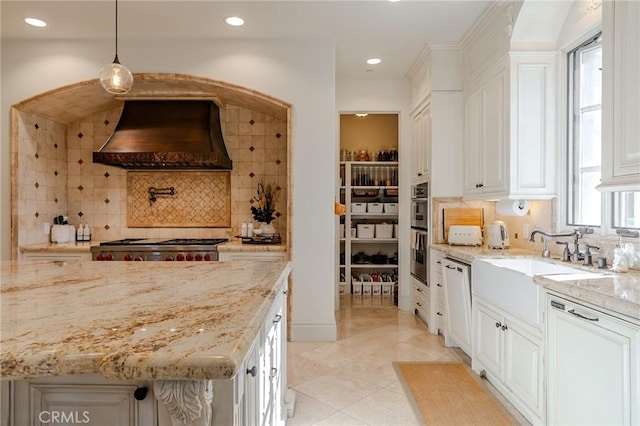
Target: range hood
165, 134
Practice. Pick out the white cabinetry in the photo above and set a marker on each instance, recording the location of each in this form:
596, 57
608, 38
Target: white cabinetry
593, 369
509, 129
436, 326
421, 145
621, 96
422, 299
510, 354
82, 400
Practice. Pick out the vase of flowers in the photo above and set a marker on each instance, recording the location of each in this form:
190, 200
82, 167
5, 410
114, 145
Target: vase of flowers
266, 200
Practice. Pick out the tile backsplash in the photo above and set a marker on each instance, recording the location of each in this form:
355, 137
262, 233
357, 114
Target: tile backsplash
55, 175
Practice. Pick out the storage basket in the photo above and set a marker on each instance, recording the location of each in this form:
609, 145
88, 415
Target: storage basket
356, 286
387, 288
375, 207
391, 207
376, 288
384, 230
358, 207
366, 288
365, 230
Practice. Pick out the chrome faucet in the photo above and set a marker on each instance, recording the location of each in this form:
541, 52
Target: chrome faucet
576, 234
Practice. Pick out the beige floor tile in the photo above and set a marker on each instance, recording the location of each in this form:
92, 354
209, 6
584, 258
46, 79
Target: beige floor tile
338, 390
309, 411
384, 408
340, 419
301, 370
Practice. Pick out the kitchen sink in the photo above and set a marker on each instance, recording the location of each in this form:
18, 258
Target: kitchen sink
531, 267
508, 283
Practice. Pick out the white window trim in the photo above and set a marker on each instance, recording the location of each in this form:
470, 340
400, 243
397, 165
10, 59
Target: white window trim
562, 151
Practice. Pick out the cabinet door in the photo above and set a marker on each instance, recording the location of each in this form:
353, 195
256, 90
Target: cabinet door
489, 342
590, 368
621, 96
425, 142
472, 142
494, 131
523, 362
255, 256
416, 147
100, 405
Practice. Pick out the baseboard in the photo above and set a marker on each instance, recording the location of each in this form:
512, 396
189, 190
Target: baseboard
314, 332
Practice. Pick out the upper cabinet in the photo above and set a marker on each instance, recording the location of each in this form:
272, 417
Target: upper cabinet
509, 114
621, 96
509, 129
421, 145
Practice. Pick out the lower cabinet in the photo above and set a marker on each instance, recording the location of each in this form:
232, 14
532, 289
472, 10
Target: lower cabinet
62, 256
421, 300
509, 352
437, 324
88, 399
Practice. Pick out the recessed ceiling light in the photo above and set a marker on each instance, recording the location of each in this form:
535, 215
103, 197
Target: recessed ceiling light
374, 61
234, 21
35, 22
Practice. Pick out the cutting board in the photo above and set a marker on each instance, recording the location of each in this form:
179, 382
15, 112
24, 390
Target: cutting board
461, 216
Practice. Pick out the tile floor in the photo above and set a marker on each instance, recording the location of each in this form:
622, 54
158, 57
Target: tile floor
352, 381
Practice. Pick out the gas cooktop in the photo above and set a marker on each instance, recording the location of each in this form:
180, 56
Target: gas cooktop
155, 249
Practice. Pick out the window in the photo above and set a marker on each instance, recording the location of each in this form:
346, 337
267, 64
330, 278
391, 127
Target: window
585, 130
587, 205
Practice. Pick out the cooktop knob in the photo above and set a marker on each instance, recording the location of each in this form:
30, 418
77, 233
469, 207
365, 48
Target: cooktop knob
180, 257
128, 257
198, 257
138, 259
108, 257
207, 257
99, 257
189, 257
168, 258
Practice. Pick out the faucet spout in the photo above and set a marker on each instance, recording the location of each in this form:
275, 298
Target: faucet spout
532, 238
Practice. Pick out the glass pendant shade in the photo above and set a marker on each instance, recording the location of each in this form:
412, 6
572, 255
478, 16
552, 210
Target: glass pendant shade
116, 78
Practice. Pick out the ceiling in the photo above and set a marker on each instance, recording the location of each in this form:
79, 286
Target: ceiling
396, 32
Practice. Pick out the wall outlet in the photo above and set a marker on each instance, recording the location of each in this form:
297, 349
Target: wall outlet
46, 228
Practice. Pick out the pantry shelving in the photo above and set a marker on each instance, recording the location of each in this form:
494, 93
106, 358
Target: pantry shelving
368, 230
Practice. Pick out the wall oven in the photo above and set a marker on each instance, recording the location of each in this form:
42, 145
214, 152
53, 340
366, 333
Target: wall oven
420, 206
419, 258
420, 232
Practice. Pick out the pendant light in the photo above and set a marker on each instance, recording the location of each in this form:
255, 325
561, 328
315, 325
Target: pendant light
115, 77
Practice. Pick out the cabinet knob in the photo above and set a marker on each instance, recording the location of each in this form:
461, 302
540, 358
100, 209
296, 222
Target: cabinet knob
277, 319
439, 285
504, 327
438, 313
274, 372
419, 304
498, 325
480, 185
419, 289
140, 393
253, 371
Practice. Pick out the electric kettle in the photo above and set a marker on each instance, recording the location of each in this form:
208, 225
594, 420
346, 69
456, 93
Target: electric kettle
498, 235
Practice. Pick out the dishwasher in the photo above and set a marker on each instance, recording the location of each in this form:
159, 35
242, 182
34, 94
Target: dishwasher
457, 293
593, 369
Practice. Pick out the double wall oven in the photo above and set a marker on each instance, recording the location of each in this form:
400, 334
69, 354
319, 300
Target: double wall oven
420, 231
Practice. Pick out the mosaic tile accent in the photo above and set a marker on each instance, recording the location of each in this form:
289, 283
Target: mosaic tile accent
202, 199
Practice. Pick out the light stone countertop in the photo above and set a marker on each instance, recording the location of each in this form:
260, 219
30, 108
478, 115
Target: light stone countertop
85, 247
238, 246
133, 320
70, 247
618, 292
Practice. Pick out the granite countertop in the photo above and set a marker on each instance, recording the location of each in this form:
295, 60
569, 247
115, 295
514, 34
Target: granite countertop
85, 247
70, 247
133, 320
618, 292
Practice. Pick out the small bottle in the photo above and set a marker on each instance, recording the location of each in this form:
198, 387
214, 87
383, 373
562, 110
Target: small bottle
243, 229
250, 229
79, 233
86, 233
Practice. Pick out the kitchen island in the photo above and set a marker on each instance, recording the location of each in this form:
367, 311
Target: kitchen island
191, 331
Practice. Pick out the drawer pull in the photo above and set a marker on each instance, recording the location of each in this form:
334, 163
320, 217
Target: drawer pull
253, 371
579, 315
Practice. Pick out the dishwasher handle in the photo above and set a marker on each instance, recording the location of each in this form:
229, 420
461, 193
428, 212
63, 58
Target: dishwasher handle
579, 315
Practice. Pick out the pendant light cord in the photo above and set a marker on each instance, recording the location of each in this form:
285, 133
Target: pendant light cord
116, 60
